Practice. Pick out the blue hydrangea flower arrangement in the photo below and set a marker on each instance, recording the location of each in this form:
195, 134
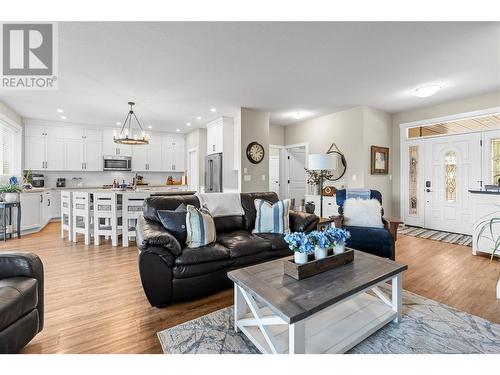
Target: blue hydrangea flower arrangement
337, 236
320, 239
299, 242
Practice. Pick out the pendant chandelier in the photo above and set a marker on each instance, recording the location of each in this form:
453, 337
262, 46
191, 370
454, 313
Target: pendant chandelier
126, 136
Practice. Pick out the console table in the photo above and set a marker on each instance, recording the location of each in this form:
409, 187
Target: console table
8, 206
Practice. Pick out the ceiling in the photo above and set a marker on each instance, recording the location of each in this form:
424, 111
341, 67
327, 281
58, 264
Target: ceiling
176, 71
472, 124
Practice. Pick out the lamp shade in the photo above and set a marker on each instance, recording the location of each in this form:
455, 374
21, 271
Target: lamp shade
322, 162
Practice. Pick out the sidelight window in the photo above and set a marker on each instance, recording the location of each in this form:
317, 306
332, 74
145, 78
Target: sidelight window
450, 163
413, 182
495, 159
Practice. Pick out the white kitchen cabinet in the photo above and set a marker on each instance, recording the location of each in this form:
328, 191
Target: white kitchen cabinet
215, 136
44, 153
140, 158
34, 156
154, 158
31, 206
93, 155
46, 209
75, 154
109, 147
32, 130
173, 153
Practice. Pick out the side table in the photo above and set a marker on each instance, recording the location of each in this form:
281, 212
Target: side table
4, 206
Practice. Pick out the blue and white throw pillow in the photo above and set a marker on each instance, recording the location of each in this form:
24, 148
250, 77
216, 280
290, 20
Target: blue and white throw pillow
200, 227
272, 218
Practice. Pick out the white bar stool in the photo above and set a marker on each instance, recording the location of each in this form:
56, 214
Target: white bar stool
107, 215
66, 214
132, 209
82, 215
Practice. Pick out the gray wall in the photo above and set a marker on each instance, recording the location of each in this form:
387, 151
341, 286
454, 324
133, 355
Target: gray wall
254, 127
455, 107
276, 135
353, 131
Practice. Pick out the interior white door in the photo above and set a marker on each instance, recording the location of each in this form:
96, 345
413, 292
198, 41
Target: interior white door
274, 174
296, 162
452, 167
193, 170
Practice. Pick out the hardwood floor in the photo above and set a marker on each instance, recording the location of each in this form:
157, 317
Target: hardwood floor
95, 302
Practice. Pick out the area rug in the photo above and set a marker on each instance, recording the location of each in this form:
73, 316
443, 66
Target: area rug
427, 327
436, 235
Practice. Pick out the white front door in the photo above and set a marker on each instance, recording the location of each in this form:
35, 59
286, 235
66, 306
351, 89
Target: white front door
296, 163
452, 167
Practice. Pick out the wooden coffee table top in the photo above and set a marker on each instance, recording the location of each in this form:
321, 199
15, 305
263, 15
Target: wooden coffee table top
294, 300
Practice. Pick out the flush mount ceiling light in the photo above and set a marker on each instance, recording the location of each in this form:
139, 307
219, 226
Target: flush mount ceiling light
425, 91
127, 135
298, 115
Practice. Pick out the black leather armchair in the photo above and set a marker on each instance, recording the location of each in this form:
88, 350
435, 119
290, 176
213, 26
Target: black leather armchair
172, 272
21, 300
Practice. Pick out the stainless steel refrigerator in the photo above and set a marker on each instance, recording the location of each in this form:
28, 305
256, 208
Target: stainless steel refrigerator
213, 173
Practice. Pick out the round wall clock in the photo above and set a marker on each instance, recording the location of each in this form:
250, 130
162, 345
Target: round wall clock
255, 152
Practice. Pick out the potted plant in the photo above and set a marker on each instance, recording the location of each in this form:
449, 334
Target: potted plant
321, 242
337, 237
10, 193
313, 180
301, 245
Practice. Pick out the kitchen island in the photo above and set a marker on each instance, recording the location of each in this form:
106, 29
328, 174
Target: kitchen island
485, 206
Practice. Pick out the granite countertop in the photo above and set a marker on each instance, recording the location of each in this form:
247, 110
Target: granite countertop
491, 192
160, 188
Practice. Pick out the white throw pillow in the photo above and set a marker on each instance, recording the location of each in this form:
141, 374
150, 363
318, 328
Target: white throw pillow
363, 213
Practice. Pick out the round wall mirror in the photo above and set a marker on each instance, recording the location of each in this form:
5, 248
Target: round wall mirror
338, 172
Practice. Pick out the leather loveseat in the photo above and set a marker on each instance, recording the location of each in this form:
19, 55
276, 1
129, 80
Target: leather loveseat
21, 300
171, 272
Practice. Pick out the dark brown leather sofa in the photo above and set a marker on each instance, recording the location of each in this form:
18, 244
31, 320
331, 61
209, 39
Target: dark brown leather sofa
21, 300
171, 272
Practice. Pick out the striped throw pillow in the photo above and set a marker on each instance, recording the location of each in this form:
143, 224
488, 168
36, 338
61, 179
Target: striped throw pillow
272, 218
200, 227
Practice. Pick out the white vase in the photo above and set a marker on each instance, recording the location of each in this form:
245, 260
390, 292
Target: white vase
11, 197
339, 248
320, 252
300, 258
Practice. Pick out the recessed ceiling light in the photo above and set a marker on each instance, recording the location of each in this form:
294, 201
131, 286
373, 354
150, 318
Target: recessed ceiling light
199, 118
213, 109
150, 127
177, 130
63, 117
298, 115
118, 123
188, 123
425, 91
59, 110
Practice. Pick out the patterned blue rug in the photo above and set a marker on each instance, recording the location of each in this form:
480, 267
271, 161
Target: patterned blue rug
427, 327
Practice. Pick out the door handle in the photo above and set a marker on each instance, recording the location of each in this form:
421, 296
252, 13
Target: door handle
428, 190
41, 198
48, 204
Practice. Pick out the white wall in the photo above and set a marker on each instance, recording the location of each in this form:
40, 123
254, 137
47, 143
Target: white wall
7, 113
475, 103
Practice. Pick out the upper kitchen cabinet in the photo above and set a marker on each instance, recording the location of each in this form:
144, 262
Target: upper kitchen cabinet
109, 147
215, 136
44, 148
148, 157
173, 153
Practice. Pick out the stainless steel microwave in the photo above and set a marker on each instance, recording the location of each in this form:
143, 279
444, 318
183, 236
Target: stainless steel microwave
117, 163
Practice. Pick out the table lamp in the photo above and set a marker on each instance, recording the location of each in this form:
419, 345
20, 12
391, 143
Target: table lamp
322, 163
